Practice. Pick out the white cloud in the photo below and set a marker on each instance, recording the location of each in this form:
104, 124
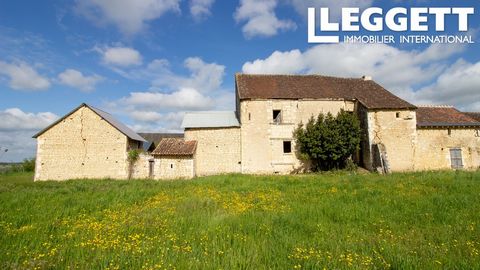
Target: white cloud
204, 77
151, 121
183, 99
129, 16
398, 70
120, 56
23, 77
76, 79
200, 9
15, 119
161, 107
301, 6
261, 19
16, 131
458, 85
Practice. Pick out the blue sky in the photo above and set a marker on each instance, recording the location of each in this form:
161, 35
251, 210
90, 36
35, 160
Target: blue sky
148, 61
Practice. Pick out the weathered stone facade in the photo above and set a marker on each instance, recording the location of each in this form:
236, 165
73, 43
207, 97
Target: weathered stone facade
218, 150
397, 131
174, 167
263, 137
83, 145
433, 149
258, 137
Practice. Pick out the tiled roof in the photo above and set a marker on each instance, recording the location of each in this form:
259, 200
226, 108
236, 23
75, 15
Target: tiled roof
210, 119
367, 92
105, 116
175, 147
157, 137
443, 116
474, 115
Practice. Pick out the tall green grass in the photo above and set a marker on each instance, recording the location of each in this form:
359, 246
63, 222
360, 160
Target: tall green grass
335, 221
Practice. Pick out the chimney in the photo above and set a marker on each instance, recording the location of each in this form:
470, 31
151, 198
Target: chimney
367, 78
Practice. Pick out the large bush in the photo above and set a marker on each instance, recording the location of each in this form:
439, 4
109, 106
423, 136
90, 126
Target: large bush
329, 141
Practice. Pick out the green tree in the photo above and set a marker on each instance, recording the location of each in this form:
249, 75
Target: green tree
328, 141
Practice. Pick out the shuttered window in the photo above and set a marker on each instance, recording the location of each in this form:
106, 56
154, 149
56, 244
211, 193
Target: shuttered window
456, 158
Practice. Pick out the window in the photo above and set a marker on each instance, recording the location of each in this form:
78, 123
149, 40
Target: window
449, 132
277, 116
171, 166
397, 115
287, 147
456, 158
477, 133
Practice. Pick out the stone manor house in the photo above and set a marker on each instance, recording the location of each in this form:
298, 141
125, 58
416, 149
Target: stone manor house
256, 138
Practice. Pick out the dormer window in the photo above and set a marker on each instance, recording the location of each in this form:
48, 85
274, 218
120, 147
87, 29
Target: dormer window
277, 116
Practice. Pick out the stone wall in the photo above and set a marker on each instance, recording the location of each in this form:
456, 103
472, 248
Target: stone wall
81, 146
141, 168
218, 150
396, 130
173, 168
262, 138
433, 151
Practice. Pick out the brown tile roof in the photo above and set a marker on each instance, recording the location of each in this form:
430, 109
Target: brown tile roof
443, 116
368, 92
474, 115
175, 147
157, 137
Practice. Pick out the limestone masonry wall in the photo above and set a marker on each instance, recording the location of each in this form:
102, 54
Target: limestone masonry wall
263, 138
433, 151
398, 134
81, 146
173, 168
218, 150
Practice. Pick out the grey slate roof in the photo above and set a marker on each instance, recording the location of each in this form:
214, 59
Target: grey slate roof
210, 119
107, 117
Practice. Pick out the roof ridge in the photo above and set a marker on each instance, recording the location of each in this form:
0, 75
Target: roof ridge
301, 75
435, 106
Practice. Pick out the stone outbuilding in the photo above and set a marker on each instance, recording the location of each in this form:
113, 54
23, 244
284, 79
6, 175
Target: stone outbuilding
257, 138
174, 158
85, 143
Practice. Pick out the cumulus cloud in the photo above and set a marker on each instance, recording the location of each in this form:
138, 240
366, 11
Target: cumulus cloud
261, 19
120, 56
15, 119
161, 107
398, 70
129, 16
457, 85
205, 77
16, 130
301, 6
183, 99
76, 79
23, 76
200, 9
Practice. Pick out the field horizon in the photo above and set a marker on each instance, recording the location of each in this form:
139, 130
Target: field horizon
340, 220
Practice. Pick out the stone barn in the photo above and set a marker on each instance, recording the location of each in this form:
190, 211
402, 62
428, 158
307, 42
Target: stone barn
85, 143
257, 137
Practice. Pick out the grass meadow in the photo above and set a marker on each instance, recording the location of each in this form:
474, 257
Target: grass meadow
425, 220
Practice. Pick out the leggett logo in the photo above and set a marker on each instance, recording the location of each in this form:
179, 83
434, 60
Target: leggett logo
398, 19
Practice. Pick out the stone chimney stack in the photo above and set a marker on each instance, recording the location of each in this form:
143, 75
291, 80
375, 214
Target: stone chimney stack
367, 78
